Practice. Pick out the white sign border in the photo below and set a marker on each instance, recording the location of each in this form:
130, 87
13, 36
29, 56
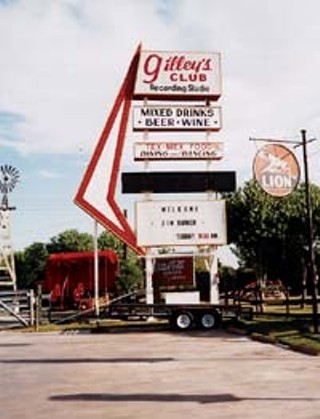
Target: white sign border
148, 221
174, 126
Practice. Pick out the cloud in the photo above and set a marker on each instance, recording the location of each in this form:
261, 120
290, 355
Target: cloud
63, 62
48, 174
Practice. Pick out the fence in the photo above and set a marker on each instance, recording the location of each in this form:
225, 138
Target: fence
17, 308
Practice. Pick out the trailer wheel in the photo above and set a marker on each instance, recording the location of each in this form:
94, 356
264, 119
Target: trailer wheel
183, 320
209, 320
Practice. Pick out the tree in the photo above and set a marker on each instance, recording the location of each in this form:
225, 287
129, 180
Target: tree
270, 233
30, 265
70, 241
107, 240
131, 274
131, 270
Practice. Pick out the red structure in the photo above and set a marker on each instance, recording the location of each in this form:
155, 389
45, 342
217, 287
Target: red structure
69, 278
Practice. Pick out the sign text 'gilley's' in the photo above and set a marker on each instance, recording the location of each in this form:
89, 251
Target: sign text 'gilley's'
178, 68
174, 74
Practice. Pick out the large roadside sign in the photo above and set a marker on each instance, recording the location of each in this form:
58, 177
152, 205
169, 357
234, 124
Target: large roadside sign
177, 118
180, 223
178, 75
276, 169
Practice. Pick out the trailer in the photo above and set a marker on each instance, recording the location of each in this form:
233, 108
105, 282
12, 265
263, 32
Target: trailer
194, 306
180, 316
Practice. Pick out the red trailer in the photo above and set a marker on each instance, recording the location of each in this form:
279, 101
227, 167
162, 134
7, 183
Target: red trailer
69, 278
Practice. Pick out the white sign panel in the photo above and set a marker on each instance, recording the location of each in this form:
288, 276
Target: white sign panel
191, 150
177, 118
180, 223
187, 75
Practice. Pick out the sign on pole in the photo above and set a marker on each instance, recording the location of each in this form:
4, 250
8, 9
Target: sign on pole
176, 118
276, 169
178, 182
178, 75
178, 150
180, 223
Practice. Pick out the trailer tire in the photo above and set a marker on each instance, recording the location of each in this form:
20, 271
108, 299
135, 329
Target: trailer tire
209, 320
182, 320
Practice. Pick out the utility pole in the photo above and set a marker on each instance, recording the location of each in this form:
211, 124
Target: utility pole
313, 277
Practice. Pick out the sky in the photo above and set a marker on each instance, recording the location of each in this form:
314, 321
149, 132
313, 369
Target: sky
62, 63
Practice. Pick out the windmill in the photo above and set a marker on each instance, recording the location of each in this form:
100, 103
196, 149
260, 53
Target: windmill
9, 177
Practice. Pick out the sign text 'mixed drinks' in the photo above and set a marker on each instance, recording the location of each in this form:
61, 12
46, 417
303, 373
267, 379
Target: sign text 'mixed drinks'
177, 118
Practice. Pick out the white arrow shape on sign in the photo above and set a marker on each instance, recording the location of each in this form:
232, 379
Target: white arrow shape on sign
96, 194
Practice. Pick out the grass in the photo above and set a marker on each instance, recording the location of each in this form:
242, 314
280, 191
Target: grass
296, 333
273, 326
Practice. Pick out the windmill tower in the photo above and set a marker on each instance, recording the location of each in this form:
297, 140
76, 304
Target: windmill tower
9, 177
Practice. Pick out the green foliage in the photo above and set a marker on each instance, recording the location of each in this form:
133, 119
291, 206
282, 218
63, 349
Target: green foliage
107, 240
270, 234
131, 274
131, 270
30, 264
70, 241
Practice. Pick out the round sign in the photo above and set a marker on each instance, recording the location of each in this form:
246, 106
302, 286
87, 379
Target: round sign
276, 169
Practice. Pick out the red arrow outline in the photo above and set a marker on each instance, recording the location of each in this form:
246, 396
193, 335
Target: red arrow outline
124, 98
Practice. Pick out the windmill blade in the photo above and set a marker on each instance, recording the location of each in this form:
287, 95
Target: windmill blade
9, 176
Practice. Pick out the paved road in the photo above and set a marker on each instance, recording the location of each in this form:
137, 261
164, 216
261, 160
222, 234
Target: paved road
152, 376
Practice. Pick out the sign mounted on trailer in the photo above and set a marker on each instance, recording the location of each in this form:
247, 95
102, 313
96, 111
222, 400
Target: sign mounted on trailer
176, 118
170, 271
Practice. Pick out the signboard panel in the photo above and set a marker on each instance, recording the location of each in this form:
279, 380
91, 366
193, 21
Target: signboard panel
180, 223
176, 118
193, 150
180, 75
173, 271
178, 182
276, 169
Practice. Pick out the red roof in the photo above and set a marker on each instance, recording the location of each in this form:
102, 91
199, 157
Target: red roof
73, 257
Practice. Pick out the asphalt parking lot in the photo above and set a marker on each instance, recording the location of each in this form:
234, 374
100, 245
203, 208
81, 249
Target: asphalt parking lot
154, 375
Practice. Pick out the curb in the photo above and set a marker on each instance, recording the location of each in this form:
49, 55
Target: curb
236, 331
272, 340
263, 338
299, 348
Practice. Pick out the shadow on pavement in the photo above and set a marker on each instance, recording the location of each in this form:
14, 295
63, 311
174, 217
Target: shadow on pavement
180, 398
87, 360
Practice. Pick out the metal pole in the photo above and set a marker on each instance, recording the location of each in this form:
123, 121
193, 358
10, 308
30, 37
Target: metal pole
149, 272
311, 255
96, 269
